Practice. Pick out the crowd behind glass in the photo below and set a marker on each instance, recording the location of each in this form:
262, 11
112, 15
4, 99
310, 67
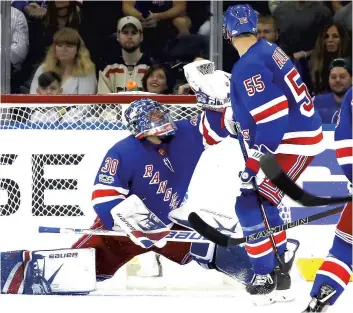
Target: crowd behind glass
100, 47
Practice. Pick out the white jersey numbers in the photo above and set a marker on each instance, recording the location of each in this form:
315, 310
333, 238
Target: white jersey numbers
254, 84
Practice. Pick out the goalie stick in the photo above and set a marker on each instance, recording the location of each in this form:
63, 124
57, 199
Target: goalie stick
276, 174
225, 241
174, 235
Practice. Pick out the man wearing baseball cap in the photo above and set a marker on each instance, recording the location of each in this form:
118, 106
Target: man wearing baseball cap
131, 65
129, 20
340, 80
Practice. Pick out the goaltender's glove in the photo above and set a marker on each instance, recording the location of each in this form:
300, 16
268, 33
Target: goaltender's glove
248, 176
207, 102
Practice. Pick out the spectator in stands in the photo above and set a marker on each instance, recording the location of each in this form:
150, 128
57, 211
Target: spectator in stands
62, 14
340, 79
131, 65
69, 57
158, 79
49, 83
335, 5
150, 13
59, 14
160, 19
332, 42
19, 47
19, 38
343, 16
32, 9
299, 24
267, 28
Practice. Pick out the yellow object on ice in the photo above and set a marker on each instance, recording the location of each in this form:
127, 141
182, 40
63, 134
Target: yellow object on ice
309, 266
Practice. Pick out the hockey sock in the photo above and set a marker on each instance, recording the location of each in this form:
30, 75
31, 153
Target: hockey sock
260, 251
336, 269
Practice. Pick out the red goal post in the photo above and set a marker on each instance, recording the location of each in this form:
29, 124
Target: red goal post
107, 99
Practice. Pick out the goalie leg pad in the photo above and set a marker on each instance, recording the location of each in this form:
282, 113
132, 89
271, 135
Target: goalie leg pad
203, 254
65, 271
232, 261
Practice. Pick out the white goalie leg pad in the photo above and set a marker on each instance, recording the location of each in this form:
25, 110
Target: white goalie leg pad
68, 270
63, 271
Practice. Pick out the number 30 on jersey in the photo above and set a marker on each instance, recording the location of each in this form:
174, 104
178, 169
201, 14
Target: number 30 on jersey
110, 165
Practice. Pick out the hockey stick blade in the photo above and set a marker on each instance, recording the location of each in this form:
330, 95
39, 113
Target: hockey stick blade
225, 241
276, 174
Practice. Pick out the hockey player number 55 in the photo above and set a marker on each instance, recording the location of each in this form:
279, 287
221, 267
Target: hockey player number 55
254, 84
300, 92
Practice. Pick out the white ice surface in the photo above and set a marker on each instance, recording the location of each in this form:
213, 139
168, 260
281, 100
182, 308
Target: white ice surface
144, 301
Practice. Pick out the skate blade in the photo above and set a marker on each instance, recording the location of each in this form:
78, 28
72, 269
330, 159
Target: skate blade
276, 296
263, 300
284, 295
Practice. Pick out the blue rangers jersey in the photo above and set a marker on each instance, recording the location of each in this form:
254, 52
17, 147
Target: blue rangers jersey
272, 104
158, 174
343, 136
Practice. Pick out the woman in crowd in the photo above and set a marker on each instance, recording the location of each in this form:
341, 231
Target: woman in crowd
69, 57
332, 42
158, 79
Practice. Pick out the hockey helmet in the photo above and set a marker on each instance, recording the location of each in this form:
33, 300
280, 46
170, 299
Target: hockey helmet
239, 19
146, 117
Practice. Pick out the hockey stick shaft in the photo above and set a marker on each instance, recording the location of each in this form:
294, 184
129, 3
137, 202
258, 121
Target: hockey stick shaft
223, 240
275, 173
174, 236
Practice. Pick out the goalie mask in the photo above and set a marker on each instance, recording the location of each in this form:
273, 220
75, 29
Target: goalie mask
212, 88
146, 117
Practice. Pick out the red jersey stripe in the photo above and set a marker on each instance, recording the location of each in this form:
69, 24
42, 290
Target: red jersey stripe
304, 140
209, 139
344, 152
336, 270
270, 111
105, 193
256, 250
